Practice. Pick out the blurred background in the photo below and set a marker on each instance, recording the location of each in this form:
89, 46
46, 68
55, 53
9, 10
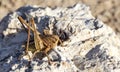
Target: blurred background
106, 10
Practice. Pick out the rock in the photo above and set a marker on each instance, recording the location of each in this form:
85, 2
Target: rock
89, 45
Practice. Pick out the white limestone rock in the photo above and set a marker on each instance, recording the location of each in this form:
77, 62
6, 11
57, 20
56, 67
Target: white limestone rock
90, 45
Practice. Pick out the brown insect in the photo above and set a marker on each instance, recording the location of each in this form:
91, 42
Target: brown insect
42, 43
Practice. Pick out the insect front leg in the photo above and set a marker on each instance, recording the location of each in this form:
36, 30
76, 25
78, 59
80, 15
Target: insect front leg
41, 54
37, 51
45, 52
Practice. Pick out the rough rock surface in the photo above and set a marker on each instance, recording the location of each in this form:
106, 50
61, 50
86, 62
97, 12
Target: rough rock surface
91, 45
106, 10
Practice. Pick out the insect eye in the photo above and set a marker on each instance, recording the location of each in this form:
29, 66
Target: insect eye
63, 36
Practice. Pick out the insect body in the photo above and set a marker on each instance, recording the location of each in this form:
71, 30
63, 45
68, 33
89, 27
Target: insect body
42, 43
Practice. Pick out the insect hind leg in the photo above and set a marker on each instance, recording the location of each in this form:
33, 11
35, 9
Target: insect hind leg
27, 46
